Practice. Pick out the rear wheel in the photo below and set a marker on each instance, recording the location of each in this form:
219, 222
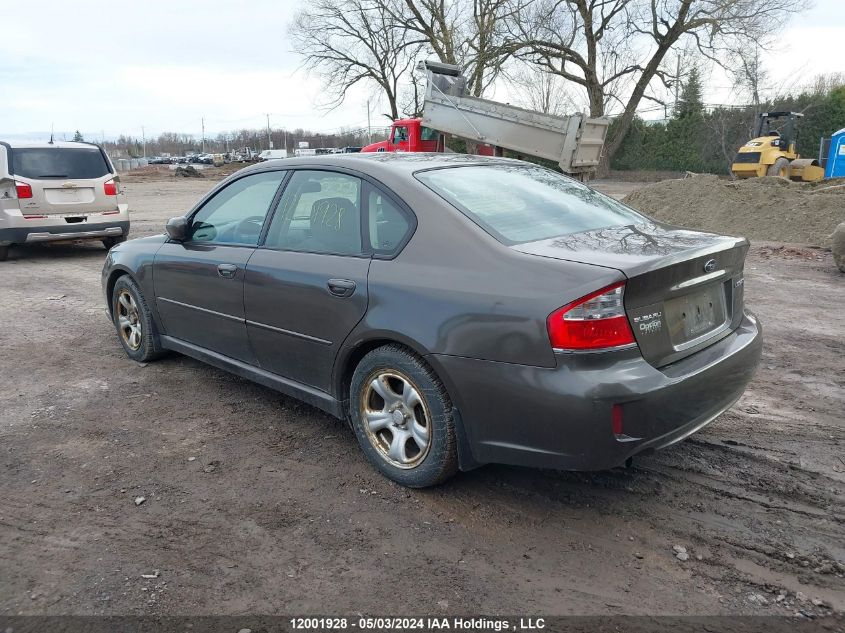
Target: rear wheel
402, 416
779, 168
4, 253
110, 242
134, 322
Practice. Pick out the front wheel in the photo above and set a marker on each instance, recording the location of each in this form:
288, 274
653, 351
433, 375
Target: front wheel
134, 322
402, 416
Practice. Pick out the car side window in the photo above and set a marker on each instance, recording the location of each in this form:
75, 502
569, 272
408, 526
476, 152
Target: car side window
236, 214
319, 213
388, 226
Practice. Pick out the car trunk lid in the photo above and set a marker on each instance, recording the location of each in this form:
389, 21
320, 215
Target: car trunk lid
683, 289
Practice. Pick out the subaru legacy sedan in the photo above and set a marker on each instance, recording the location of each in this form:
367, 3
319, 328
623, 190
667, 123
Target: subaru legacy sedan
455, 310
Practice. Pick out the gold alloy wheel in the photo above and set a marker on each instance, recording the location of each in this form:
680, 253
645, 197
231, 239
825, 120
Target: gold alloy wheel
128, 320
396, 418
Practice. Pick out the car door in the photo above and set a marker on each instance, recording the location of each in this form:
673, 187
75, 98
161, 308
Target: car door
199, 283
305, 289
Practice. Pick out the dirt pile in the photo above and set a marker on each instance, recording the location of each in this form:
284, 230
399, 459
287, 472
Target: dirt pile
838, 246
764, 209
188, 172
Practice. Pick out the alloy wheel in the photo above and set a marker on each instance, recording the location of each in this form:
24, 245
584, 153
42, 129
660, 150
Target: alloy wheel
128, 320
396, 418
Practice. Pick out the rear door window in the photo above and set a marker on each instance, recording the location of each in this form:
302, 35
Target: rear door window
388, 226
59, 162
319, 213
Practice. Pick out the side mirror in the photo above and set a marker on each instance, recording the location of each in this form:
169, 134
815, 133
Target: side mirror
177, 229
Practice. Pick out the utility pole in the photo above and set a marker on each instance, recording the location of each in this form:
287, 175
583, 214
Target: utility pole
144, 137
269, 140
203, 134
677, 82
369, 129
286, 140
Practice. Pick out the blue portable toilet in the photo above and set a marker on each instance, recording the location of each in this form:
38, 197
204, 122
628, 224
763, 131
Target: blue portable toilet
835, 167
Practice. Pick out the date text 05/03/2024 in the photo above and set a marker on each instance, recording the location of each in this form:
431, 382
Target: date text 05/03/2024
468, 625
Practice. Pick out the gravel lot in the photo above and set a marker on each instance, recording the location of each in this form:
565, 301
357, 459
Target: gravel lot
255, 503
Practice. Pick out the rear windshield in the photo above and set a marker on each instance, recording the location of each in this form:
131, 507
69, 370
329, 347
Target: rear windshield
525, 203
59, 162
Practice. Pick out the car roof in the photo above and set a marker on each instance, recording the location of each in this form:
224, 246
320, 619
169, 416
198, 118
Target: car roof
396, 163
46, 144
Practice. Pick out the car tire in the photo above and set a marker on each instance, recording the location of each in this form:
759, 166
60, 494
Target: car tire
779, 168
110, 242
133, 322
402, 417
4, 253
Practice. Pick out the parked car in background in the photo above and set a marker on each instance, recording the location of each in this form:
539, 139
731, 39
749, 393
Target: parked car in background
495, 311
59, 191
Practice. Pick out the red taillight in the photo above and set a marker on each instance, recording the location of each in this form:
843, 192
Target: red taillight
110, 188
23, 190
596, 321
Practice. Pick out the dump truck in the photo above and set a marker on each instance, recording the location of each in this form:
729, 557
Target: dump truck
574, 142
772, 151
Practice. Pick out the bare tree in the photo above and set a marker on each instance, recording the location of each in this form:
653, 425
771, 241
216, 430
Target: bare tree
350, 42
616, 49
470, 33
541, 91
825, 83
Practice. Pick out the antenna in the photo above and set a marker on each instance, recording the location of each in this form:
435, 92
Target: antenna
51, 133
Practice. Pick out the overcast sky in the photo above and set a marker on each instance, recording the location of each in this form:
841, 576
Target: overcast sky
113, 67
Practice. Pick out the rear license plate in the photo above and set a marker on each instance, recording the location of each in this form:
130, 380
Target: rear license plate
69, 195
694, 315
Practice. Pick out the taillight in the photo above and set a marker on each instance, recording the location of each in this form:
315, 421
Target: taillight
110, 188
596, 321
23, 190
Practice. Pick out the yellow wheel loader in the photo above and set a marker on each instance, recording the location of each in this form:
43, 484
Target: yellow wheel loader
772, 151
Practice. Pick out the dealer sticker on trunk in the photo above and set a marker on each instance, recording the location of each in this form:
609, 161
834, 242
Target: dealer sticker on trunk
649, 323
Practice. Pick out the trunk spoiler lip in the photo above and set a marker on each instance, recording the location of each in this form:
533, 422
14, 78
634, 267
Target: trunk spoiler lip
630, 262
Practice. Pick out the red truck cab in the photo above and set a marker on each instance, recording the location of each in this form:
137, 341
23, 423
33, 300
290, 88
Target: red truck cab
407, 135
410, 135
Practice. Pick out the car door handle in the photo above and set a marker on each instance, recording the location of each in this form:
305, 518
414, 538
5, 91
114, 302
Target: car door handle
341, 287
227, 271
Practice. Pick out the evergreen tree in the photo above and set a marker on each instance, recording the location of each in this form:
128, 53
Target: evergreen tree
690, 102
77, 137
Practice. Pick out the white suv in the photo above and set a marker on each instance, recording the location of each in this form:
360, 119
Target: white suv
59, 192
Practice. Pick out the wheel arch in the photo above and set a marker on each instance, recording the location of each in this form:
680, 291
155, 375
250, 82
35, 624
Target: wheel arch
116, 273
352, 353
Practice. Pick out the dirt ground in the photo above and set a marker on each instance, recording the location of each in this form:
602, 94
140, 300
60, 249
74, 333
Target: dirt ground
255, 503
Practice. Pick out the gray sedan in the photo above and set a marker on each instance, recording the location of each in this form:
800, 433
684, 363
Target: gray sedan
455, 310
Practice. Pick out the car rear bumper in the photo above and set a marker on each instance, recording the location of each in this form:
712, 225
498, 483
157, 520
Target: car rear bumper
64, 232
561, 417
